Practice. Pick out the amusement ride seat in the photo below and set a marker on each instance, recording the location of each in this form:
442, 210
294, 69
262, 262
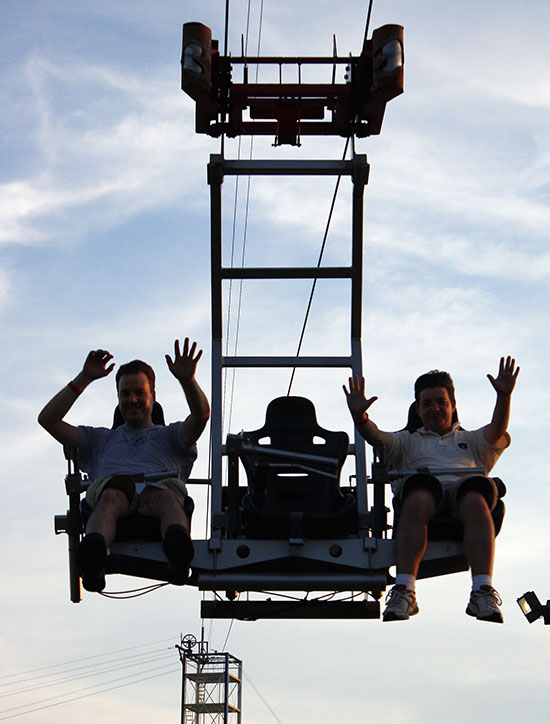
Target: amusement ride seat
444, 526
293, 469
137, 526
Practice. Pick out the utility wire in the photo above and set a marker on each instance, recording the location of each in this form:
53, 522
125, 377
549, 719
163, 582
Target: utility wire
245, 227
365, 38
84, 658
320, 259
262, 698
86, 688
245, 236
367, 26
228, 634
65, 675
83, 696
73, 676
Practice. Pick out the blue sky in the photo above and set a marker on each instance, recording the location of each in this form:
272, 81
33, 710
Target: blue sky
104, 236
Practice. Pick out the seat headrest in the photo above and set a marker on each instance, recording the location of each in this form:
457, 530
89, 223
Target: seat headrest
415, 423
157, 416
292, 413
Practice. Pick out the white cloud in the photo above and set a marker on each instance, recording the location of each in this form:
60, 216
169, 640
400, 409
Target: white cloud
116, 150
4, 288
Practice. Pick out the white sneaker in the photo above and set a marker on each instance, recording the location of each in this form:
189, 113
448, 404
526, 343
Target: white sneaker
484, 605
401, 604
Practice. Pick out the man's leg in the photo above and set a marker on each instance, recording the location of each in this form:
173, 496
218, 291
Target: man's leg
163, 504
175, 532
100, 533
412, 534
479, 548
419, 507
112, 504
479, 532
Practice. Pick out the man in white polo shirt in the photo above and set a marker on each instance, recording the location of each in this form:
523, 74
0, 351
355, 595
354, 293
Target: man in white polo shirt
470, 498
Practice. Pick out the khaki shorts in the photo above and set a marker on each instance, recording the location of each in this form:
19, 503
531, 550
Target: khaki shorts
138, 498
447, 495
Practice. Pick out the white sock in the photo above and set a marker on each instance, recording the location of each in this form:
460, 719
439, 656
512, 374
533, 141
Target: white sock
481, 579
407, 580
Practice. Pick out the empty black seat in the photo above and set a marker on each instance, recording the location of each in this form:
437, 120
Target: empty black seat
293, 468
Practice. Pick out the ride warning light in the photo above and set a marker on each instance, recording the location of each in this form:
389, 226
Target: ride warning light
196, 60
388, 62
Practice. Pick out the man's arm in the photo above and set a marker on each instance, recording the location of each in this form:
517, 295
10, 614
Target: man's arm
51, 417
358, 406
504, 385
183, 367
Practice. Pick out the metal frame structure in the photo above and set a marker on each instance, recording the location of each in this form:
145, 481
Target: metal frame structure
348, 574
211, 684
238, 565
218, 168
288, 110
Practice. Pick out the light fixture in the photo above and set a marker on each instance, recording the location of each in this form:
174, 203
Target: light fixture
532, 608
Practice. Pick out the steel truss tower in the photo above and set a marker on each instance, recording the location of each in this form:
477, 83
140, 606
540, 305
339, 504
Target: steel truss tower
211, 684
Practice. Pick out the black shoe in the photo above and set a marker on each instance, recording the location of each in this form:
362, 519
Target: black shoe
90, 558
178, 547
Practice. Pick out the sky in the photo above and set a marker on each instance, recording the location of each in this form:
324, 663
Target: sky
104, 242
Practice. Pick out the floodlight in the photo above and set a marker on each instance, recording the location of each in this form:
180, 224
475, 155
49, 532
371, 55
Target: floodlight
532, 608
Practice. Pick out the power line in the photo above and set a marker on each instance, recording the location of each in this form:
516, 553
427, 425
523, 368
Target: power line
83, 696
58, 674
86, 688
84, 658
262, 698
320, 259
245, 233
73, 676
245, 227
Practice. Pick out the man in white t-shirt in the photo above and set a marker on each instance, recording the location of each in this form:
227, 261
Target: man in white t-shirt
442, 443
112, 456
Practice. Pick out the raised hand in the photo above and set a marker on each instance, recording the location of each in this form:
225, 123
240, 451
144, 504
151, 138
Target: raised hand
184, 364
355, 397
95, 364
506, 378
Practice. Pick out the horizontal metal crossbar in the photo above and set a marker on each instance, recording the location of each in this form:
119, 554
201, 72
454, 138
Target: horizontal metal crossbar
396, 474
252, 610
262, 167
325, 92
268, 451
326, 272
277, 60
286, 361
257, 581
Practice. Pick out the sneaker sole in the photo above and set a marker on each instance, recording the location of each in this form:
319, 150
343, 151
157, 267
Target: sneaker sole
93, 581
391, 616
495, 617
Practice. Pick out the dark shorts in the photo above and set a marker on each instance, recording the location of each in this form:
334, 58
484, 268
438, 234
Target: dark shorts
447, 495
138, 496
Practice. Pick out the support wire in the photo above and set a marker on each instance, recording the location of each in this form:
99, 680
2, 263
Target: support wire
314, 285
